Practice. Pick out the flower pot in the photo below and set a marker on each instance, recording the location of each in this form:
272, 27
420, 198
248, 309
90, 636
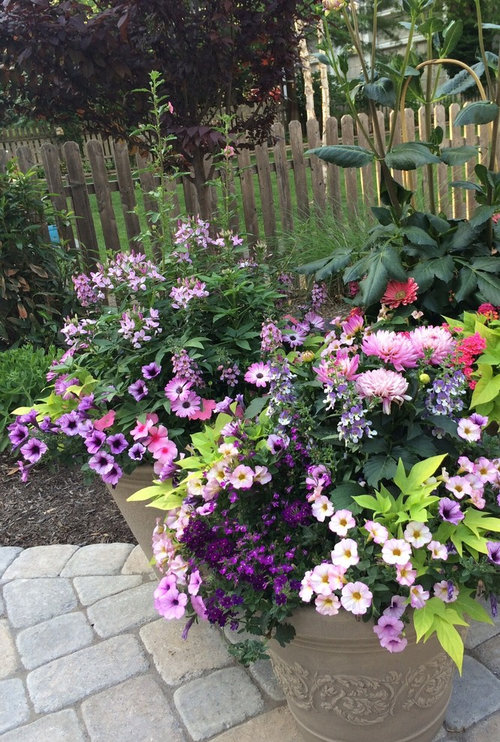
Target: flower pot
140, 519
342, 686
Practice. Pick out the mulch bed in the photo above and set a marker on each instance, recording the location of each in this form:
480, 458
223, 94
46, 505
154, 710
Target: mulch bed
56, 506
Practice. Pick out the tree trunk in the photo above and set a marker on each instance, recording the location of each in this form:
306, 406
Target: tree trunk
325, 88
307, 75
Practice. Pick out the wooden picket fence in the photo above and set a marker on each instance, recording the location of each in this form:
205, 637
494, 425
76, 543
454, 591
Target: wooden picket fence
275, 185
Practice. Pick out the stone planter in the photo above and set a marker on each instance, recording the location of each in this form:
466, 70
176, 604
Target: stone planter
140, 519
342, 686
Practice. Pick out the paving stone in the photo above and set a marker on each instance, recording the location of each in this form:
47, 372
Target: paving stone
61, 727
178, 659
124, 611
489, 654
275, 726
7, 555
92, 589
481, 632
8, 655
97, 559
2, 606
441, 736
117, 714
71, 678
13, 706
31, 601
217, 701
137, 563
40, 561
263, 674
475, 696
486, 731
54, 638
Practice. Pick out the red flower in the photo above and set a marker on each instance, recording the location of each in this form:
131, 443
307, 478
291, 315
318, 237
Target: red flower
399, 293
488, 310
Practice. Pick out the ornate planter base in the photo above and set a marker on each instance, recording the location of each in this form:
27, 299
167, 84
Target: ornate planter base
140, 519
341, 686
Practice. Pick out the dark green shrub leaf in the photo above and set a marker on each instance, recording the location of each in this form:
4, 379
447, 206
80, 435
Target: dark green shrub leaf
409, 156
419, 236
460, 82
392, 263
344, 155
467, 283
458, 155
466, 184
451, 36
462, 237
489, 287
379, 467
481, 215
480, 112
488, 264
381, 91
382, 215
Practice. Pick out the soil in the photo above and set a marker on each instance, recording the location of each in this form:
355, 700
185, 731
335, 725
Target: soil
56, 506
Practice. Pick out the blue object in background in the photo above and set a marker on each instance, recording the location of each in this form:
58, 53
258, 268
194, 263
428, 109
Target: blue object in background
53, 234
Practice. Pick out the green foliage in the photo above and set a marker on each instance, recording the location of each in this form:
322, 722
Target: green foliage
34, 274
22, 379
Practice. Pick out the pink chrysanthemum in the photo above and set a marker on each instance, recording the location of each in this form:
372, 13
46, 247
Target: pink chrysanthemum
389, 386
391, 347
400, 293
435, 343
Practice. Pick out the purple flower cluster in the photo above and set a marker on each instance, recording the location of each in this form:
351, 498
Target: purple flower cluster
126, 270
319, 295
229, 374
139, 327
187, 368
353, 425
445, 395
77, 332
86, 292
186, 290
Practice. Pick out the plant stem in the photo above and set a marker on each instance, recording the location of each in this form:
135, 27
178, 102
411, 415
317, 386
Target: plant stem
491, 91
428, 126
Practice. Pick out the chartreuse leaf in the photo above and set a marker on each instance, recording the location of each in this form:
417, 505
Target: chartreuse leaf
423, 618
488, 386
472, 608
366, 501
191, 462
166, 502
476, 519
450, 640
154, 490
420, 472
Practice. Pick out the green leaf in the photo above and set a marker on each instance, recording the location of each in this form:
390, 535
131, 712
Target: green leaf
379, 467
467, 283
460, 82
491, 26
147, 493
322, 58
450, 640
367, 501
489, 288
481, 215
409, 156
373, 285
343, 495
479, 112
166, 502
392, 263
458, 155
381, 91
418, 236
421, 471
344, 155
255, 407
451, 36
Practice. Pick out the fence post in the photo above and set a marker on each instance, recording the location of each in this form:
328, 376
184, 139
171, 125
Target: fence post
103, 195
351, 178
457, 140
367, 171
281, 164
127, 189
51, 165
81, 204
299, 169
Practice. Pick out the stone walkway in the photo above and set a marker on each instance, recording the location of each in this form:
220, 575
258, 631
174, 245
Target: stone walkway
84, 656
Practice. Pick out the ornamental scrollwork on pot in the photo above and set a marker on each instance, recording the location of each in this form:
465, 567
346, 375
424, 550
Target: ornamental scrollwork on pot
428, 682
361, 699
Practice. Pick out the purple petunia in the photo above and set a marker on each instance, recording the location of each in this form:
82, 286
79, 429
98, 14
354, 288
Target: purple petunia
18, 434
102, 462
113, 475
137, 452
33, 450
150, 371
94, 441
69, 423
117, 443
449, 510
493, 551
138, 390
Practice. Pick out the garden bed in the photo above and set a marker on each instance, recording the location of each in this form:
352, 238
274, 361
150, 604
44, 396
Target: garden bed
56, 506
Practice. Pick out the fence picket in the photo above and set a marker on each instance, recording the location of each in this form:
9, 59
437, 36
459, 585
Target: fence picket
81, 205
52, 167
317, 167
442, 169
95, 154
367, 171
457, 172
248, 194
333, 171
299, 168
350, 174
126, 188
281, 163
266, 190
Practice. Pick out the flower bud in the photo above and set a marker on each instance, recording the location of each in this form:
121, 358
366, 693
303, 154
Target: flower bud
424, 378
334, 4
